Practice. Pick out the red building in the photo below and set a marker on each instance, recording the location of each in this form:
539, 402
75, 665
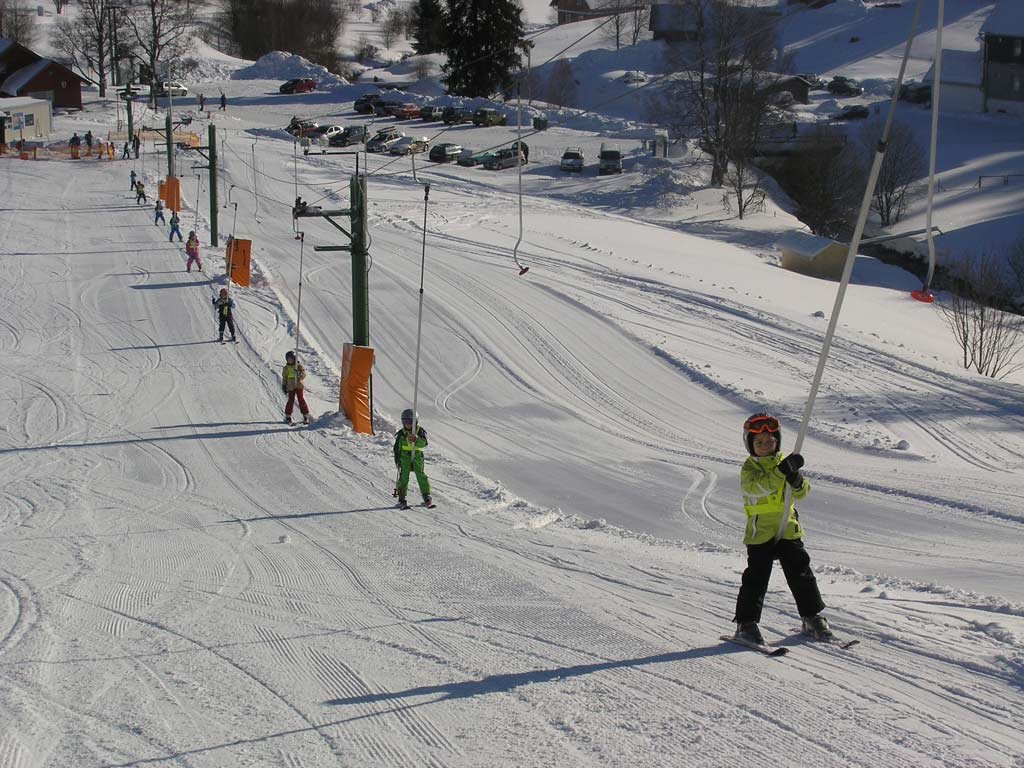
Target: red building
25, 73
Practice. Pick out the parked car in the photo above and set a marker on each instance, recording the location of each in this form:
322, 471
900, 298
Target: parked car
410, 145
844, 86
853, 112
177, 90
431, 112
469, 157
609, 159
504, 158
298, 85
325, 131
352, 134
817, 82
916, 93
383, 143
365, 103
407, 112
386, 108
444, 153
634, 76
572, 160
486, 116
457, 115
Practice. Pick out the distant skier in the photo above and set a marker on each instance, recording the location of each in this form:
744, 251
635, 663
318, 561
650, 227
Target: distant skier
223, 102
763, 480
88, 142
75, 142
175, 227
140, 193
124, 152
134, 178
225, 307
408, 451
292, 377
202, 103
192, 249
158, 212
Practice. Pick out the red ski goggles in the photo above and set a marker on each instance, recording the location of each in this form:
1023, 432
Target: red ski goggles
761, 423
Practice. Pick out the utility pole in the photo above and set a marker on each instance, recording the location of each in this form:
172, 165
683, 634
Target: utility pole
212, 143
358, 248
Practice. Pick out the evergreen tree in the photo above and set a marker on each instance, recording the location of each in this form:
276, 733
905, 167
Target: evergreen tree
484, 44
429, 21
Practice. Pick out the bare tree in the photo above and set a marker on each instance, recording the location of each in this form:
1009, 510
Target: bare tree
561, 85
17, 22
990, 338
722, 80
59, 5
309, 28
638, 20
160, 28
902, 166
826, 180
615, 27
365, 50
86, 40
392, 27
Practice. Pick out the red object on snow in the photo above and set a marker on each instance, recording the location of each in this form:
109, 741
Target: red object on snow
924, 296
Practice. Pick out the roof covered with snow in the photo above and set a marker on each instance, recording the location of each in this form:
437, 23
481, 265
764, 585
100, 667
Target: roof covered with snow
958, 67
23, 77
803, 243
20, 102
1007, 19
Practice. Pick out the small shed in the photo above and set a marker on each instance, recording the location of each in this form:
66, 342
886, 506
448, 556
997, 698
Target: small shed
25, 117
794, 84
673, 23
961, 81
812, 255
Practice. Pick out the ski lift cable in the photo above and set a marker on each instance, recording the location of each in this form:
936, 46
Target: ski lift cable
851, 256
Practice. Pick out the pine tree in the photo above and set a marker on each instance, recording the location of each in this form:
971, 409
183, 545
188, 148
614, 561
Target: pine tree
484, 44
430, 20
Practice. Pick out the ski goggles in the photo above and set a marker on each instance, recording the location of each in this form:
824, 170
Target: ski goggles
761, 423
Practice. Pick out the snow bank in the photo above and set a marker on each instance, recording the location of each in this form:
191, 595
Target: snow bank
278, 65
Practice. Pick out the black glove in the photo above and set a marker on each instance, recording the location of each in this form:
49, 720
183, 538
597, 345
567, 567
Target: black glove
790, 467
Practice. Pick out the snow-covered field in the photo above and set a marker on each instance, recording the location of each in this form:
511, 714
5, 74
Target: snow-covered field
187, 581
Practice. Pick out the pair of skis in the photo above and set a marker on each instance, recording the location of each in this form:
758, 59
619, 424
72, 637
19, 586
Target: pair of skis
775, 650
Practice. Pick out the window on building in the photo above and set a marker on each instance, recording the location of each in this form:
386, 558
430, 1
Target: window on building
30, 120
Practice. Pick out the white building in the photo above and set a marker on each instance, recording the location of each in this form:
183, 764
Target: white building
25, 117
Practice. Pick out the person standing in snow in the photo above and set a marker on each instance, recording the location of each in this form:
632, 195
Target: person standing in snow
192, 249
225, 306
140, 192
134, 177
158, 213
175, 227
202, 103
74, 142
408, 451
88, 142
223, 102
124, 152
292, 377
763, 479
136, 143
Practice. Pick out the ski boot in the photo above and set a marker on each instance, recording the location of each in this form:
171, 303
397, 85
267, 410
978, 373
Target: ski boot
816, 627
287, 419
305, 418
428, 502
749, 632
402, 504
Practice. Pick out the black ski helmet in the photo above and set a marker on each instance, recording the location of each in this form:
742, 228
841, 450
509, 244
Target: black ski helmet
289, 355
758, 423
408, 416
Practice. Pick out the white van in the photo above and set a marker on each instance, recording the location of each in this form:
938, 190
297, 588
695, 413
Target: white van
609, 160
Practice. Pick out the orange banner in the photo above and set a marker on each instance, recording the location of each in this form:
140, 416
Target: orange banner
239, 254
354, 399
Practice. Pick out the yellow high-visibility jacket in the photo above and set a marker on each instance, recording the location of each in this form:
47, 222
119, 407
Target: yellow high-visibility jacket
764, 496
